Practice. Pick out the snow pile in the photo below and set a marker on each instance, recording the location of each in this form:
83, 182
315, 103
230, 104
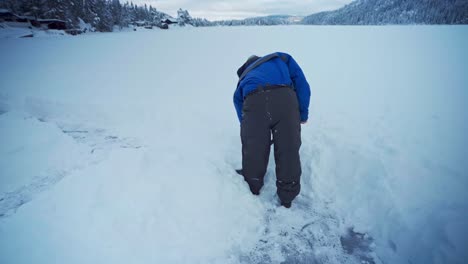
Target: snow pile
33, 148
143, 127
39, 154
85, 27
14, 30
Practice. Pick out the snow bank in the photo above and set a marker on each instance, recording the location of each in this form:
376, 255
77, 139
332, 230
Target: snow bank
384, 177
32, 149
14, 31
10, 30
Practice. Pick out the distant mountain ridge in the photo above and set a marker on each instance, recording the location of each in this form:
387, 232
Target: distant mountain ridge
381, 12
261, 21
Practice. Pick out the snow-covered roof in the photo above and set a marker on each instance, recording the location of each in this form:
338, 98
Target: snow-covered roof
27, 17
170, 19
2, 10
45, 20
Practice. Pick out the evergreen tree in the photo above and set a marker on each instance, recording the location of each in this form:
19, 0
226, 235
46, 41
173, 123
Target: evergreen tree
126, 15
183, 17
77, 11
116, 11
103, 22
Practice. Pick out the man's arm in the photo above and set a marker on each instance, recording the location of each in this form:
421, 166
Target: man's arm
300, 84
238, 102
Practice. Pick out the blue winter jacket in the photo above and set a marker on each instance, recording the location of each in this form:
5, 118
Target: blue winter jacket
282, 70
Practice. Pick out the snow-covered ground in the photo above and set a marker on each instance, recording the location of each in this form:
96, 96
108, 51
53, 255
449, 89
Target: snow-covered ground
121, 148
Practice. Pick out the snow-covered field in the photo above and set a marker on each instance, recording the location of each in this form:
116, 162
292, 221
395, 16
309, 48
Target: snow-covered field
121, 148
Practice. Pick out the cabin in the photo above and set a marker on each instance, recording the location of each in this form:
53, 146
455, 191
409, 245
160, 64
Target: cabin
25, 19
53, 23
169, 21
8, 16
163, 26
140, 23
166, 22
74, 31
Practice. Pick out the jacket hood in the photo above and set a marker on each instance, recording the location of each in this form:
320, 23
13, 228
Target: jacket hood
249, 61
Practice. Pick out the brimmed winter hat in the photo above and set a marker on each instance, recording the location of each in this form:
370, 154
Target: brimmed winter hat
249, 61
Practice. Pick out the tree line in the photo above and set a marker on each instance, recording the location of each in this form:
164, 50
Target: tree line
103, 15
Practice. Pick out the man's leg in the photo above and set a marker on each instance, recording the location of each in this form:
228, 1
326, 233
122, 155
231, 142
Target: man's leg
256, 137
287, 140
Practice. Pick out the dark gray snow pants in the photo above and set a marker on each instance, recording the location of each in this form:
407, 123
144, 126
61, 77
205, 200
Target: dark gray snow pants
266, 113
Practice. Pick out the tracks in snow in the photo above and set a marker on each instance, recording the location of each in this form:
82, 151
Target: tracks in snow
99, 141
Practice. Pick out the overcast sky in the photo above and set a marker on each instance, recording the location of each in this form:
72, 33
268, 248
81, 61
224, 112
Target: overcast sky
238, 9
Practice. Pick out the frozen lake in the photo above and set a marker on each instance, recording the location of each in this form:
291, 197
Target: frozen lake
121, 147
